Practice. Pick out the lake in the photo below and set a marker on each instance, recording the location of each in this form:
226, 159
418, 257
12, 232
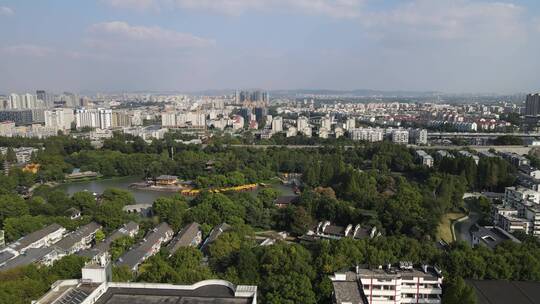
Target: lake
141, 196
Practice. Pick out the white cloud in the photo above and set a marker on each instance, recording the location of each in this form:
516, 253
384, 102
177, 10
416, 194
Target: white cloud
117, 34
28, 50
333, 8
420, 20
6, 11
132, 4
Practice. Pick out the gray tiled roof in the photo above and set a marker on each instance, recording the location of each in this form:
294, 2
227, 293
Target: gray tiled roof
138, 254
30, 256
504, 292
76, 236
185, 237
348, 292
34, 237
215, 233
105, 245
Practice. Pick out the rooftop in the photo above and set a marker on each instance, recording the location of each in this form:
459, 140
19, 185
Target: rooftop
504, 292
33, 237
185, 237
348, 292
28, 257
285, 200
215, 233
136, 255
215, 294
106, 243
76, 236
392, 272
204, 292
493, 236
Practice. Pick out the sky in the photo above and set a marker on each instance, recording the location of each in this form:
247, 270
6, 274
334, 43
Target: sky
453, 46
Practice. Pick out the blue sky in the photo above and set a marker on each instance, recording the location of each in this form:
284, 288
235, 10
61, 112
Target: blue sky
115, 45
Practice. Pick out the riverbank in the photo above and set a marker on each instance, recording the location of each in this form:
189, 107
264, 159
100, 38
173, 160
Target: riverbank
445, 230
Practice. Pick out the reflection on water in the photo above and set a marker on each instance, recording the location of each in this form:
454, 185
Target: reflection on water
141, 196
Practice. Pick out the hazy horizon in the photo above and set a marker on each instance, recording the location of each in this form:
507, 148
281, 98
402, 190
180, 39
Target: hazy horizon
447, 46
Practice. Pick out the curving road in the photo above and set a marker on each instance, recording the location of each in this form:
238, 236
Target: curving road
462, 228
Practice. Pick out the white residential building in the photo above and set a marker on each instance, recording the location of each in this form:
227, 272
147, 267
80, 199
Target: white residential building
367, 134
86, 118
515, 195
389, 285
350, 124
277, 124
326, 123
6, 128
520, 212
168, 119
38, 239
400, 137
323, 133
302, 123
93, 118
59, 119
105, 118
338, 132
418, 136
292, 131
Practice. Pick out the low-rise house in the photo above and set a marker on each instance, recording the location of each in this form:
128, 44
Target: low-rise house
166, 180
73, 213
130, 229
490, 236
189, 236
285, 201
44, 255
530, 171
516, 159
142, 209
424, 158
79, 239
527, 181
329, 231
469, 155
147, 248
214, 234
442, 154
487, 154
38, 239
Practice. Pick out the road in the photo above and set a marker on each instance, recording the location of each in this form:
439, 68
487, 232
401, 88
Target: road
462, 228
515, 149
479, 134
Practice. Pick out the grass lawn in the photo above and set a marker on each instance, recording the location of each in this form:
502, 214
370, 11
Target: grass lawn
444, 232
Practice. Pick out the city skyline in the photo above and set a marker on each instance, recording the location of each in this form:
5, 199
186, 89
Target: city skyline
463, 46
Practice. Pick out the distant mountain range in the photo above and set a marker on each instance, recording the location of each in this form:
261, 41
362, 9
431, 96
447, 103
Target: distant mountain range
359, 93
356, 93
324, 92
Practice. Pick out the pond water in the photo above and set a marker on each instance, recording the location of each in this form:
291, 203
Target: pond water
141, 196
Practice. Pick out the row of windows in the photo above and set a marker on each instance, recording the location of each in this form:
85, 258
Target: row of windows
420, 296
409, 285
